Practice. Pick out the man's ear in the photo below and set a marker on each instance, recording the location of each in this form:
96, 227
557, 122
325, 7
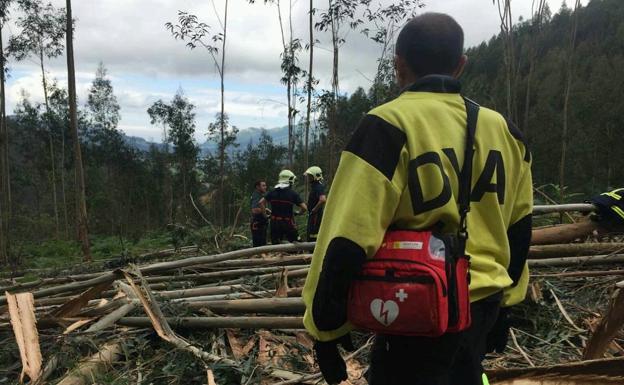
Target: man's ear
403, 73
460, 66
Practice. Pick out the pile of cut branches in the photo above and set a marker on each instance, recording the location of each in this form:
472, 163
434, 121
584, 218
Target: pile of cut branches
236, 318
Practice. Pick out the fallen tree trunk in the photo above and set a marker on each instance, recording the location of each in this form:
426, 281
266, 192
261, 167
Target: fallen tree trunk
98, 363
591, 273
169, 252
609, 326
547, 209
217, 275
563, 233
577, 261
608, 370
285, 260
220, 322
574, 250
292, 305
291, 274
294, 292
171, 265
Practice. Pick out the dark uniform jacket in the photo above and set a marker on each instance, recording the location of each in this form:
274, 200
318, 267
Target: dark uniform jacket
282, 201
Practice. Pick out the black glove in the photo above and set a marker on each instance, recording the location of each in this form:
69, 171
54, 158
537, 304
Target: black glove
610, 209
498, 335
330, 361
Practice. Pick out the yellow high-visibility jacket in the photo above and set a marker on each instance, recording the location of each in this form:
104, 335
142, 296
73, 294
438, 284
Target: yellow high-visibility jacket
401, 168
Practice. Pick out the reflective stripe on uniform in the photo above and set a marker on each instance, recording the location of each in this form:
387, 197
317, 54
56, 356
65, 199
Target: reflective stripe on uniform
618, 211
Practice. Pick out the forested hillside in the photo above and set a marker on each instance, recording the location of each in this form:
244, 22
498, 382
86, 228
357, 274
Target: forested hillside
594, 142
130, 191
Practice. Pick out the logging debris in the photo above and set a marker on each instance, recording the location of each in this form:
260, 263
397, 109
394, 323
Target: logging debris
236, 317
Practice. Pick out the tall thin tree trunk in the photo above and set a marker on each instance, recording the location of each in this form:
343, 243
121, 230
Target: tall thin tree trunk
609, 171
223, 128
534, 41
5, 184
506, 28
63, 191
287, 56
51, 143
332, 118
309, 106
566, 102
81, 203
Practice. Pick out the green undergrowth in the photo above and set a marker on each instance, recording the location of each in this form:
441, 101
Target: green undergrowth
32, 260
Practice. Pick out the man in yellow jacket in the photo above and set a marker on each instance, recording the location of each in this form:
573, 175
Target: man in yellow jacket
401, 169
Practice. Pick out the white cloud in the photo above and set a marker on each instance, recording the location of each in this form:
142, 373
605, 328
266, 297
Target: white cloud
131, 40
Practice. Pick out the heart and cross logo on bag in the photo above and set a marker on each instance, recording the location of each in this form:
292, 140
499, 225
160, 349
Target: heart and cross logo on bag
384, 312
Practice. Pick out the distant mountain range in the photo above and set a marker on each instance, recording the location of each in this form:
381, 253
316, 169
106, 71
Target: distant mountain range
244, 137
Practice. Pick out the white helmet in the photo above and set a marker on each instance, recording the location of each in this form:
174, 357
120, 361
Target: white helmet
286, 176
315, 172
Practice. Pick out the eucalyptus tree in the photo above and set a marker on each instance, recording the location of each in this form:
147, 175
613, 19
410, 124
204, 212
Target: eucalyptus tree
291, 72
179, 117
338, 14
539, 8
566, 97
102, 102
506, 28
197, 34
81, 202
41, 35
309, 86
383, 22
5, 175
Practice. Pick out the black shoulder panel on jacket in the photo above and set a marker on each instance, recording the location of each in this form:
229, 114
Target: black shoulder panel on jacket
519, 236
516, 133
379, 143
343, 260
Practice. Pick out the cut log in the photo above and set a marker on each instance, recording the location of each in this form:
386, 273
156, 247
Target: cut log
574, 250
171, 265
265, 305
220, 322
110, 319
577, 261
579, 207
284, 260
609, 371
563, 233
291, 274
22, 311
591, 273
294, 292
608, 328
218, 275
98, 363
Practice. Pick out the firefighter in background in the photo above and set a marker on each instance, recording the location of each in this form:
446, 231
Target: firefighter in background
259, 220
282, 199
316, 201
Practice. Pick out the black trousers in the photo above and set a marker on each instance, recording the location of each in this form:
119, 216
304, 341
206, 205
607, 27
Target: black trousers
259, 232
452, 359
314, 224
283, 229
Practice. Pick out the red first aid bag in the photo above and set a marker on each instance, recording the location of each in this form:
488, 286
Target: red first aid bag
417, 282
414, 285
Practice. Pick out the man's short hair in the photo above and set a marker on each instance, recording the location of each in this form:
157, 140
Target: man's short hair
431, 43
259, 182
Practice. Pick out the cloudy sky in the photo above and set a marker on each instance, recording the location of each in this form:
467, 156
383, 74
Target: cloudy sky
146, 64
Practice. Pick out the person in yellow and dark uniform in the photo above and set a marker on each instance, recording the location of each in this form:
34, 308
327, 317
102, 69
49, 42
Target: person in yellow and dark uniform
282, 199
316, 201
259, 221
400, 170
